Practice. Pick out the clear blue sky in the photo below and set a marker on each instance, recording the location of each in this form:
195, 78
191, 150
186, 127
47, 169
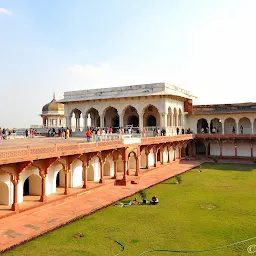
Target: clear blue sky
207, 47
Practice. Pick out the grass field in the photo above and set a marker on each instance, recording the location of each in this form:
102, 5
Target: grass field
209, 209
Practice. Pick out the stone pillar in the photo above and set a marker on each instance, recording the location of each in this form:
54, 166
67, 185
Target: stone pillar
146, 153
155, 158
85, 123
102, 124
77, 124
67, 190
223, 127
174, 153
85, 168
81, 123
252, 126
163, 121
128, 169
101, 172
168, 155
209, 125
137, 172
68, 121
235, 145
237, 127
141, 121
43, 197
180, 152
161, 157
115, 169
15, 206
251, 149
171, 119
121, 120
125, 169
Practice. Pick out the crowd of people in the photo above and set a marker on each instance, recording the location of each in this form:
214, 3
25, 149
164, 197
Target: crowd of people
5, 133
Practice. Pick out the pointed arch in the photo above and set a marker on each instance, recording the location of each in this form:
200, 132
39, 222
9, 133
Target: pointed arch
111, 117
92, 117
151, 116
229, 125
216, 125
202, 125
130, 116
244, 125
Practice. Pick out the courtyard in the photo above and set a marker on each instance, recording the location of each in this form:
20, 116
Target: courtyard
212, 207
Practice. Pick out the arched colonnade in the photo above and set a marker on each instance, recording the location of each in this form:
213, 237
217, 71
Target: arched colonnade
227, 125
149, 116
43, 178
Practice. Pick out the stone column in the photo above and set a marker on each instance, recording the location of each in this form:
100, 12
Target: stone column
141, 121
102, 172
68, 121
43, 197
81, 123
115, 169
209, 125
252, 126
223, 127
168, 155
77, 124
85, 123
125, 169
15, 206
163, 121
237, 127
180, 152
102, 124
67, 190
174, 153
128, 169
155, 157
146, 153
137, 172
121, 120
161, 157
85, 168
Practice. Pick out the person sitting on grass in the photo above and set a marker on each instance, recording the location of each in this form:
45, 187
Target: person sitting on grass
154, 200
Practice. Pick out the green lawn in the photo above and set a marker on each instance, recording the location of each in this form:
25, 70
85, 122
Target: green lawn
209, 209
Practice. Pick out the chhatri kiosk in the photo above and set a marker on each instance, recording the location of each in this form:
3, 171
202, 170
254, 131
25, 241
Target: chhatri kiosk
145, 105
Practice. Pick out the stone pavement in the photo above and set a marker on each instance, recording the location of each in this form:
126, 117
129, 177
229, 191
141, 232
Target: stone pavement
29, 224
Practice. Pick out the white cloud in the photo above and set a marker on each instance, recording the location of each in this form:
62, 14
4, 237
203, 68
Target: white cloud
5, 11
88, 70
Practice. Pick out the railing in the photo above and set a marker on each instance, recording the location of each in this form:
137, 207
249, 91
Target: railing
63, 149
226, 135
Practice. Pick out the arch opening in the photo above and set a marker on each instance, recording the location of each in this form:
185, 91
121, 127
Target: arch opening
151, 116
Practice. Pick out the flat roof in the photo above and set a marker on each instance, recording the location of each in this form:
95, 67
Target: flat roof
126, 91
225, 108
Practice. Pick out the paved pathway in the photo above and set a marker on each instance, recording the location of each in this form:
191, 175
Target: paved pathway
18, 228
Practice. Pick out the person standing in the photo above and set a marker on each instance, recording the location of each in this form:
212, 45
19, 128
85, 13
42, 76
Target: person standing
88, 135
241, 129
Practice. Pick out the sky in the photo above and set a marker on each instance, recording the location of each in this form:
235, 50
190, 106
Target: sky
204, 46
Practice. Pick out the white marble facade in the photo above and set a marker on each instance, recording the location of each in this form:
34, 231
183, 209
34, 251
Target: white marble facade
150, 105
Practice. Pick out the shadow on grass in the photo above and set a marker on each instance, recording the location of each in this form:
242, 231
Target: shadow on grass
228, 167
